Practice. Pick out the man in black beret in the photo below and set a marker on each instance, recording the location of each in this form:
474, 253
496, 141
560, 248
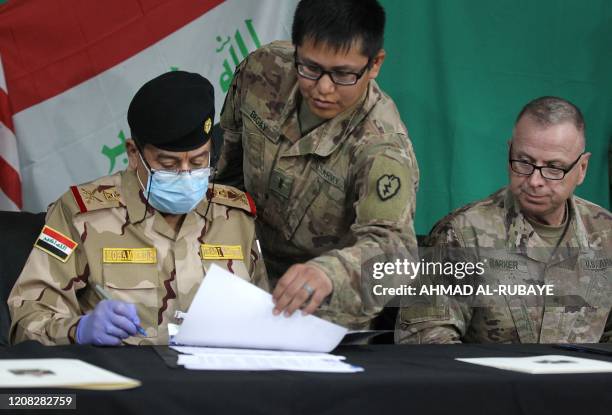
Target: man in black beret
120, 255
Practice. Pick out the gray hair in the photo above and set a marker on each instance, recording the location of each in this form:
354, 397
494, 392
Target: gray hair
552, 111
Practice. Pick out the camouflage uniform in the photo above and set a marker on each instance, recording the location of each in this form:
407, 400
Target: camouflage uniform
494, 232
137, 259
335, 197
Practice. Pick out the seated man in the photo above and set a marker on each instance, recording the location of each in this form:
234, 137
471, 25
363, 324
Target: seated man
146, 235
532, 234
323, 151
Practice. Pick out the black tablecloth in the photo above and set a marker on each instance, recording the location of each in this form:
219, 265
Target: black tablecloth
397, 379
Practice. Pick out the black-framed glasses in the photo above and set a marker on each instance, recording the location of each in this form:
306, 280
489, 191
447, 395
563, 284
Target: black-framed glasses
315, 72
524, 168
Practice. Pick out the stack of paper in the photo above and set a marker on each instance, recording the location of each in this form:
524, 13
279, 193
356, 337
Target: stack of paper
549, 364
213, 358
60, 373
228, 312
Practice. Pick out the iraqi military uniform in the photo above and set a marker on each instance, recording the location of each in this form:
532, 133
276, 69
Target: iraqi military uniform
99, 233
337, 197
495, 233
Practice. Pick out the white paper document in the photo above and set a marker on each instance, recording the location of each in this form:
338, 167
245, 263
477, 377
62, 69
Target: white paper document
244, 361
201, 350
60, 373
549, 364
232, 313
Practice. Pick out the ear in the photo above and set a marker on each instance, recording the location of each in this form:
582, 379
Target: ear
132, 152
377, 62
582, 168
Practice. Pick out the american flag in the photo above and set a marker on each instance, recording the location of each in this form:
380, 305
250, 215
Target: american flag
10, 180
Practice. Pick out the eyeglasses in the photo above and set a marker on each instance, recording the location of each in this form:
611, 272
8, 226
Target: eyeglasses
315, 72
524, 168
198, 171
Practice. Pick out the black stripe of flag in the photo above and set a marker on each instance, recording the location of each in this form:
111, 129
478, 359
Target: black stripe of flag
48, 247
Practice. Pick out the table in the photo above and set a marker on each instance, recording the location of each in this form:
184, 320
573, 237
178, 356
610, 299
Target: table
405, 379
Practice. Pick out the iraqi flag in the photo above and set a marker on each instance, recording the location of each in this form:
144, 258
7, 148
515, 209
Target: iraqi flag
69, 68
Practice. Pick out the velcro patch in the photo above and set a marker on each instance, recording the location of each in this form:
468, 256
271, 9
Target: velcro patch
55, 243
208, 251
129, 255
387, 186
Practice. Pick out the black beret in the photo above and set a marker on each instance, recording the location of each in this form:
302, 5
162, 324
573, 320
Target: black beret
173, 112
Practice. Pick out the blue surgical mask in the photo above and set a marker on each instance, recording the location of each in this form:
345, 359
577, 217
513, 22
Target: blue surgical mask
176, 192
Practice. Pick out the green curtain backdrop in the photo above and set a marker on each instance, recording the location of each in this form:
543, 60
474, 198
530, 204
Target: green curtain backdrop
460, 71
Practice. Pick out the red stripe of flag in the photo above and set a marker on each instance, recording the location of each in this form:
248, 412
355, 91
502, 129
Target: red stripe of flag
59, 237
53, 45
6, 117
10, 182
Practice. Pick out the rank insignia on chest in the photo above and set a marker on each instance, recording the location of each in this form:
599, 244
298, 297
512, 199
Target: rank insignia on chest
210, 251
281, 183
129, 255
55, 244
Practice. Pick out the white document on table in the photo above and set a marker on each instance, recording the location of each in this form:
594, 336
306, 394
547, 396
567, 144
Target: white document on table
205, 351
230, 312
60, 373
242, 361
549, 364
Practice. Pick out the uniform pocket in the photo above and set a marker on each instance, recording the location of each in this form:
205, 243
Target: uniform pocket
137, 284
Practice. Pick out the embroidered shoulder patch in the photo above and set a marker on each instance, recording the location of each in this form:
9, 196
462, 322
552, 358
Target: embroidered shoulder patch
230, 196
88, 197
55, 243
387, 186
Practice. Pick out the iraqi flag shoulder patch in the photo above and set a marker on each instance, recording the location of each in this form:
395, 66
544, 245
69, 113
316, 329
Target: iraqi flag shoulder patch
55, 243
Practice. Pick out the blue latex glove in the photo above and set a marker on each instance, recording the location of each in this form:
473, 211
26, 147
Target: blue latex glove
109, 323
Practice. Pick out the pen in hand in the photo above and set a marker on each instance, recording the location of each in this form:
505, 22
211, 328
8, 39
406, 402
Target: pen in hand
106, 296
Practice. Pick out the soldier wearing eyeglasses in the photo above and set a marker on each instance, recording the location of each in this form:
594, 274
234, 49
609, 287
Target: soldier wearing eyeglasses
320, 147
533, 233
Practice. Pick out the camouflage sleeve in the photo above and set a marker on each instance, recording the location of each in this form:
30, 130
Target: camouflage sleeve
384, 180
43, 302
229, 168
430, 318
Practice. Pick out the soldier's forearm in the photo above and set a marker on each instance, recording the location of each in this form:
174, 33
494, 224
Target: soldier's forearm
44, 328
424, 334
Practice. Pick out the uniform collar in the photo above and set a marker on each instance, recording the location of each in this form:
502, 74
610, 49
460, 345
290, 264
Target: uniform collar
326, 138
521, 237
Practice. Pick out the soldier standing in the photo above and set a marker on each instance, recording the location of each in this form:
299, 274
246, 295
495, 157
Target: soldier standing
146, 235
322, 149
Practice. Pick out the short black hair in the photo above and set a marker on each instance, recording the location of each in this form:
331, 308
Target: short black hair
339, 23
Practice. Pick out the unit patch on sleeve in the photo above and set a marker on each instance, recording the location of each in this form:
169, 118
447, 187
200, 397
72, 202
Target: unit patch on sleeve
55, 244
